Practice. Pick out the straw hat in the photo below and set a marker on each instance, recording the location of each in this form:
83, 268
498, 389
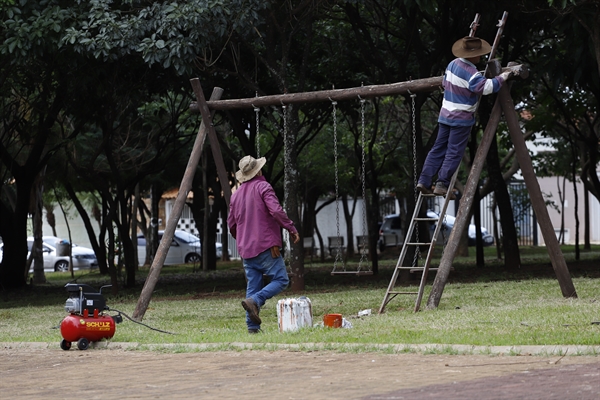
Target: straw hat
468, 47
249, 167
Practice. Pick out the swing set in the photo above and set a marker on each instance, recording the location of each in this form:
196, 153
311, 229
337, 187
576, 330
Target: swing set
337, 242
504, 105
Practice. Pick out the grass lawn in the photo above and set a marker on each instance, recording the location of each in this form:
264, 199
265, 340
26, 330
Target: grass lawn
487, 306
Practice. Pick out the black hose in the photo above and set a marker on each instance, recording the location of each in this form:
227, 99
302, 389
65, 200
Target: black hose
141, 323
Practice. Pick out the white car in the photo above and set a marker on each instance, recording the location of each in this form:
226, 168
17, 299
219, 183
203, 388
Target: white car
185, 248
391, 233
83, 257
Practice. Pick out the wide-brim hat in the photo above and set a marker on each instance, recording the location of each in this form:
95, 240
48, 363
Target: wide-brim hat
468, 47
249, 167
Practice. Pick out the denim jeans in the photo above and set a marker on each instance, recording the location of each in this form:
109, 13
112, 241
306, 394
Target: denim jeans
446, 154
274, 269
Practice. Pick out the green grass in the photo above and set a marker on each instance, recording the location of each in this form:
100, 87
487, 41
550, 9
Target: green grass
480, 306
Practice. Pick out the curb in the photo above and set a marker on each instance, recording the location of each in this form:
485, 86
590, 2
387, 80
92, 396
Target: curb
452, 349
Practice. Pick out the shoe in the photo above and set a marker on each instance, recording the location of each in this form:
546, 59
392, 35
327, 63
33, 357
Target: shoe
253, 331
423, 189
441, 190
252, 308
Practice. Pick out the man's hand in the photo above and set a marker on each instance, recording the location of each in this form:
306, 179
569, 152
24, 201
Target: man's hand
295, 237
506, 74
275, 252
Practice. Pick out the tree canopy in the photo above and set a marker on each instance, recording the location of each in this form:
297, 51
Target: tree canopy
97, 92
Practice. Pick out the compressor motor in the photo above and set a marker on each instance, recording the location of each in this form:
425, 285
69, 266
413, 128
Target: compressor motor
87, 321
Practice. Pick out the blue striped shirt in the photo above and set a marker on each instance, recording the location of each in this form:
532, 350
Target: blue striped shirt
463, 84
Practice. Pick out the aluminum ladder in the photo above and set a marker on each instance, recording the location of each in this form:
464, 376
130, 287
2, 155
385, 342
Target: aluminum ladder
391, 293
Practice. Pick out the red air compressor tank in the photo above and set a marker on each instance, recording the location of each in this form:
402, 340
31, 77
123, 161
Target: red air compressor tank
74, 328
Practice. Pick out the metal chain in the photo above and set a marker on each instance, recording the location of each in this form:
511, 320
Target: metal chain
414, 137
256, 111
363, 253
337, 196
286, 234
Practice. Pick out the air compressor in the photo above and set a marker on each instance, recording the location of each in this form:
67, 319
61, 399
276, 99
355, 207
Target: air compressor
87, 320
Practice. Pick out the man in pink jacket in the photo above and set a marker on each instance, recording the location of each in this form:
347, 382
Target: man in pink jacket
255, 220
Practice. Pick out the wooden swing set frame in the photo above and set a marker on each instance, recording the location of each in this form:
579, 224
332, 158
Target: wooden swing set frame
504, 105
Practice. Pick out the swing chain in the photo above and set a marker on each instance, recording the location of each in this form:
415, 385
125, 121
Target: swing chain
414, 143
363, 253
256, 111
286, 234
337, 197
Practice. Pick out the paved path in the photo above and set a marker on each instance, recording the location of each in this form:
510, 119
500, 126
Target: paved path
45, 371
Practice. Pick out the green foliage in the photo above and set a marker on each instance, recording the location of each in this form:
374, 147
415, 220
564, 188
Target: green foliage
171, 34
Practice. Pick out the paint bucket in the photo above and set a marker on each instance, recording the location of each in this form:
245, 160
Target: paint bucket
294, 314
332, 320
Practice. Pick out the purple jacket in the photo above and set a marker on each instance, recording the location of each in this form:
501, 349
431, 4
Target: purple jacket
256, 217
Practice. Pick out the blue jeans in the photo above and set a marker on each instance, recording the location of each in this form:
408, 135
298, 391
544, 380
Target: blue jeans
274, 269
446, 154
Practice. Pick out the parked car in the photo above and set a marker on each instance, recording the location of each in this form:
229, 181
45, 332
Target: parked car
185, 248
449, 220
83, 257
391, 233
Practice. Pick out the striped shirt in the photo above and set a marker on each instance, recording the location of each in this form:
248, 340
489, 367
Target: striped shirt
463, 84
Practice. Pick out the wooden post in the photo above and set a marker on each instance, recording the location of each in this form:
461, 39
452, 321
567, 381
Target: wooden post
464, 211
165, 243
214, 140
537, 200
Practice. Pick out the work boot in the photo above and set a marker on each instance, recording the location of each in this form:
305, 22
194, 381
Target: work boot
441, 190
423, 189
252, 308
253, 331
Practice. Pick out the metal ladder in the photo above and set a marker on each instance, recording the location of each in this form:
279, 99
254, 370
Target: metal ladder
390, 294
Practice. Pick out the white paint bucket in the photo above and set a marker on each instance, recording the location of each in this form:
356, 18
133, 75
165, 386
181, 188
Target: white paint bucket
293, 314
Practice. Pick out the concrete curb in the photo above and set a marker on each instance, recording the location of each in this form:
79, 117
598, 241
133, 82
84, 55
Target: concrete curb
455, 349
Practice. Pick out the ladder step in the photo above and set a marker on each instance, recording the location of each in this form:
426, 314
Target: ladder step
426, 219
419, 269
418, 244
403, 292
415, 269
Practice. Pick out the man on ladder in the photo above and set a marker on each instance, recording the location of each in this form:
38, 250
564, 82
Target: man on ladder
463, 84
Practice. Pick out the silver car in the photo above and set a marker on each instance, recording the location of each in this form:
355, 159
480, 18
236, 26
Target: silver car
185, 248
55, 258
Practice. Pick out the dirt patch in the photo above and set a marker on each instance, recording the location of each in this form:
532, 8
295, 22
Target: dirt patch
48, 372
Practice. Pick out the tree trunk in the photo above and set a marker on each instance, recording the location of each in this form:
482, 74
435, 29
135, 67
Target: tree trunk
510, 243
291, 190
87, 223
36, 250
